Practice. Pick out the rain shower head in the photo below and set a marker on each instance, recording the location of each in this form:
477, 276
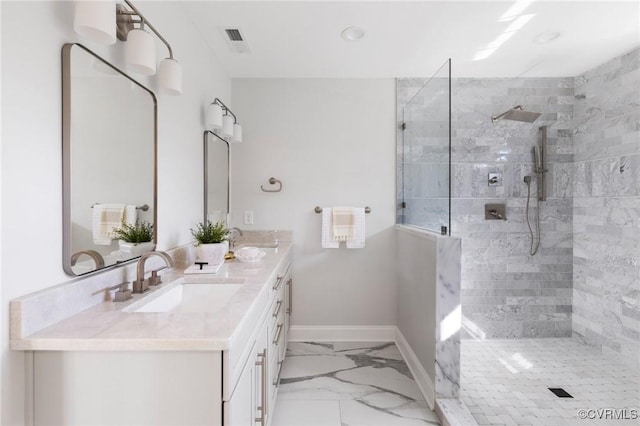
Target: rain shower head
517, 114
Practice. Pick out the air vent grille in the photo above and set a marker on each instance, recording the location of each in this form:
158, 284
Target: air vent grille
235, 39
234, 34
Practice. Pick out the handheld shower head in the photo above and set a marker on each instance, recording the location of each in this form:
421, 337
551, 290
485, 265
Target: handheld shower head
517, 114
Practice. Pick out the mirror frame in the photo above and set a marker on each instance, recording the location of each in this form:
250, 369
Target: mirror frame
206, 173
66, 157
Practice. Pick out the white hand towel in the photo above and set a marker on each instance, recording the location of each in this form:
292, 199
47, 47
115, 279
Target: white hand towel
327, 231
130, 214
358, 239
343, 223
105, 218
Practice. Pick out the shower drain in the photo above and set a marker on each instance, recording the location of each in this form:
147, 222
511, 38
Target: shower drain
560, 393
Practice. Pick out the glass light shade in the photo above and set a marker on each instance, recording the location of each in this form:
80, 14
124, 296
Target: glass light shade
140, 52
170, 77
96, 21
237, 133
227, 126
214, 117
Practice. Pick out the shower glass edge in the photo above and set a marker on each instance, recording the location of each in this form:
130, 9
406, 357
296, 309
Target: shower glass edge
426, 154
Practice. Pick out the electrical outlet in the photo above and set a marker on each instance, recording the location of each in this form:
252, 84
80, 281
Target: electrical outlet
248, 217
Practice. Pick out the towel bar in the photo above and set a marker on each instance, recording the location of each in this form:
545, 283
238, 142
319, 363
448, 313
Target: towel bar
143, 207
318, 209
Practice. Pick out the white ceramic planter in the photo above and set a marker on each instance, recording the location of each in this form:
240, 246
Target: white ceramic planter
212, 253
132, 250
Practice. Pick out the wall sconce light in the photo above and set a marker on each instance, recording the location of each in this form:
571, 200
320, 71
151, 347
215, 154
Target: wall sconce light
220, 117
94, 20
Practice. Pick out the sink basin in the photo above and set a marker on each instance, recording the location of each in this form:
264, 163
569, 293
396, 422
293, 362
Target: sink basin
191, 298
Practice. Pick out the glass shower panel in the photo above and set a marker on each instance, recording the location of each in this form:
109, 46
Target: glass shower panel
426, 154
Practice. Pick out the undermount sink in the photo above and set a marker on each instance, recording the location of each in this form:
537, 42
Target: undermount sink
192, 298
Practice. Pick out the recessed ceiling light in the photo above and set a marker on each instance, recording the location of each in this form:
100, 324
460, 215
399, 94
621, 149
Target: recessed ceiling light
352, 33
546, 37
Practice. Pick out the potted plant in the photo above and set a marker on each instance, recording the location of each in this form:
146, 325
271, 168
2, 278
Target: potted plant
212, 242
136, 239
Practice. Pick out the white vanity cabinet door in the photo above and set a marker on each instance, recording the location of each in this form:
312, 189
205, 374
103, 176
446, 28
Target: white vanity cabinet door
127, 388
247, 407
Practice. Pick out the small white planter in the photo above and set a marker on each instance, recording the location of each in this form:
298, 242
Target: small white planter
131, 250
212, 253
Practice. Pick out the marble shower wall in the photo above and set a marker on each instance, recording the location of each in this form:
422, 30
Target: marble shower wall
606, 208
506, 293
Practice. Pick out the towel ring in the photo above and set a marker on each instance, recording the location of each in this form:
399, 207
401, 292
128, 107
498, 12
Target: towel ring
273, 181
318, 209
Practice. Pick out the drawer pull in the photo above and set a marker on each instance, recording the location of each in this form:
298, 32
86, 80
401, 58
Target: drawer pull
276, 383
278, 333
277, 284
262, 363
277, 311
290, 308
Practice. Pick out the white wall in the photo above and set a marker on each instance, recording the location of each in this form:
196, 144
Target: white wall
330, 142
417, 281
31, 150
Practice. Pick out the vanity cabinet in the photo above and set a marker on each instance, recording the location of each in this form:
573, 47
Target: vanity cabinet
248, 403
171, 384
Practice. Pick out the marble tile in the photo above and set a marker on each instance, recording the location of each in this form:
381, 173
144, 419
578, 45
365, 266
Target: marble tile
504, 379
306, 413
448, 317
371, 381
361, 413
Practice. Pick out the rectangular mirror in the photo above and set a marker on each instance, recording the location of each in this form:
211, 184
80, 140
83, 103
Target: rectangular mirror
109, 124
216, 178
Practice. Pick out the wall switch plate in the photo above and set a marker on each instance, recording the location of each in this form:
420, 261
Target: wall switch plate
248, 217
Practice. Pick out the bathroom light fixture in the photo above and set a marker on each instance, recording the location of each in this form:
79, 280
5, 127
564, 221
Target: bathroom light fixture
94, 20
220, 117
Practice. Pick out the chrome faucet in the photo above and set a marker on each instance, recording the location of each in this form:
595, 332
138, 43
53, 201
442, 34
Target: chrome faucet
140, 285
232, 242
97, 257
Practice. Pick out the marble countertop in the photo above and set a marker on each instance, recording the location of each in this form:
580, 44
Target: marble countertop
109, 326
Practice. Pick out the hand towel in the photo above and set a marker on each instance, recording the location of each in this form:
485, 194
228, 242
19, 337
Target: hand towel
359, 230
327, 234
130, 214
343, 223
105, 218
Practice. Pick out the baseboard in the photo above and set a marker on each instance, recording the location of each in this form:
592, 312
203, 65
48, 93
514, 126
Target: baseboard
417, 370
308, 333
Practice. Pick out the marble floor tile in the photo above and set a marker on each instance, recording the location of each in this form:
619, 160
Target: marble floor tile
357, 413
306, 413
370, 382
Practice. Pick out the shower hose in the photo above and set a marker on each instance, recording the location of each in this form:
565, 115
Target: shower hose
535, 243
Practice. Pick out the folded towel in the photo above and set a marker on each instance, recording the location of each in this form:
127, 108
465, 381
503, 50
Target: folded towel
107, 217
343, 223
357, 241
327, 233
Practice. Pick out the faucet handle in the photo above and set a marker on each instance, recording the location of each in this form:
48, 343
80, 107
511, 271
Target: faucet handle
155, 279
123, 293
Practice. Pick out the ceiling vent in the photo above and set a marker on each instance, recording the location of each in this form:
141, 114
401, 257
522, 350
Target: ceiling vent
236, 40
